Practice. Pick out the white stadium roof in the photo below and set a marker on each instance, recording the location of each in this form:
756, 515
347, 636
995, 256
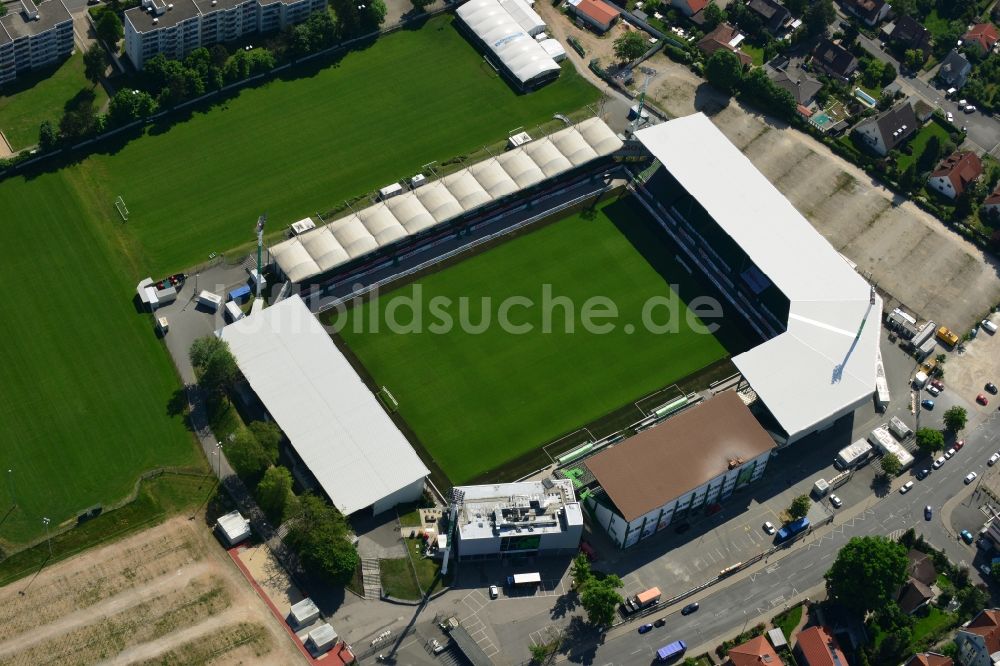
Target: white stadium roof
334, 423
822, 364
502, 34
319, 250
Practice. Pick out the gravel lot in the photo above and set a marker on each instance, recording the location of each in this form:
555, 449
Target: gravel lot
910, 255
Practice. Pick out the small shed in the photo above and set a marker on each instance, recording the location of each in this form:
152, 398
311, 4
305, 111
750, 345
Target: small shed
777, 637
322, 638
233, 528
304, 613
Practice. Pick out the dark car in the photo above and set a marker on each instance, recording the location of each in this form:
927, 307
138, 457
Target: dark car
690, 608
922, 474
660, 623
645, 628
991, 388
928, 512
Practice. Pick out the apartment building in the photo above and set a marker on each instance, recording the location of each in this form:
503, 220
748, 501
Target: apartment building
34, 36
177, 27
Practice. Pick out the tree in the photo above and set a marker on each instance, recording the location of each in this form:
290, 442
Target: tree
274, 492
319, 534
799, 507
913, 59
873, 72
128, 105
47, 136
724, 70
955, 418
889, 73
269, 435
109, 28
630, 45
247, 456
930, 440
796, 7
214, 365
80, 119
600, 599
929, 157
909, 180
867, 573
891, 465
971, 600
818, 16
581, 571
95, 61
995, 571
713, 16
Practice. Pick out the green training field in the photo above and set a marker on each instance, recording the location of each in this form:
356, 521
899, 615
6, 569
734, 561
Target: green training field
479, 400
294, 147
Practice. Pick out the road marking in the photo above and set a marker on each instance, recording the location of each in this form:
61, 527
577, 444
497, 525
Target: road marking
777, 601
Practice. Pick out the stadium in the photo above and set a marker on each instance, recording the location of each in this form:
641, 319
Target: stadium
677, 211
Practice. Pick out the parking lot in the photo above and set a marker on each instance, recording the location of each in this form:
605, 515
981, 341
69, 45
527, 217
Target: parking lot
909, 254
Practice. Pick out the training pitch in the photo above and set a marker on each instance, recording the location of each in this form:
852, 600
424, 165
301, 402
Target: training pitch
480, 399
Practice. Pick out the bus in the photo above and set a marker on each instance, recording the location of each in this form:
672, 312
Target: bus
671, 651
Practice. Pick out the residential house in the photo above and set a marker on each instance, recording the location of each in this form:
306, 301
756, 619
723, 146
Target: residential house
979, 639
871, 12
834, 60
803, 87
955, 173
982, 36
954, 70
908, 33
992, 206
755, 652
773, 15
726, 37
816, 646
689, 7
929, 659
32, 36
596, 13
177, 27
890, 129
913, 596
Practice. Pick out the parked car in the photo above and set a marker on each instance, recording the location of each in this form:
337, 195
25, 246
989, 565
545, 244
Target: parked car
938, 384
950, 116
934, 391
645, 628
967, 536
927, 404
985, 569
660, 623
949, 453
906, 488
993, 459
963, 102
836, 501
988, 325
991, 388
959, 444
768, 527
937, 463
436, 646
922, 474
982, 399
690, 608
970, 477
969, 108
928, 512
494, 592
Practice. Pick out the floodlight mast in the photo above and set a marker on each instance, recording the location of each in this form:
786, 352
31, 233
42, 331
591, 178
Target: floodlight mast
260, 248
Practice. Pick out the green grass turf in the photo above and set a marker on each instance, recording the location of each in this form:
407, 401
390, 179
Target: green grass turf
477, 401
84, 383
294, 147
42, 95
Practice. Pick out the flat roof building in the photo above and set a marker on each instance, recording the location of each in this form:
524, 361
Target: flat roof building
524, 518
335, 424
233, 528
303, 613
818, 319
33, 35
664, 473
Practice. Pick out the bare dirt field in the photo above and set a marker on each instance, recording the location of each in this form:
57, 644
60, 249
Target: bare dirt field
168, 595
909, 254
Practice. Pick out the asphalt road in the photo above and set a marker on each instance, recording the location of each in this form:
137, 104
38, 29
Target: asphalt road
785, 579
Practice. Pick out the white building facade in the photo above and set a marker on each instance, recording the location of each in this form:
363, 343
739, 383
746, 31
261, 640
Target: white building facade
34, 36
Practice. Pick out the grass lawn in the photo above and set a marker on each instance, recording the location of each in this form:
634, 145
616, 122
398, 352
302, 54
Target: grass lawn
755, 52
937, 25
477, 400
397, 574
294, 147
788, 621
85, 384
42, 95
936, 621
919, 142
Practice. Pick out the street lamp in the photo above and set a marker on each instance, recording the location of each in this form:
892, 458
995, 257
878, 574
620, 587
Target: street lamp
45, 521
218, 459
10, 485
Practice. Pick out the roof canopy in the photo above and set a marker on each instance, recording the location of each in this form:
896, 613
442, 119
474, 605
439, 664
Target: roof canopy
325, 248
507, 39
334, 423
824, 362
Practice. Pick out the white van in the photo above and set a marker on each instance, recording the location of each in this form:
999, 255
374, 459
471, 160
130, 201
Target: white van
988, 325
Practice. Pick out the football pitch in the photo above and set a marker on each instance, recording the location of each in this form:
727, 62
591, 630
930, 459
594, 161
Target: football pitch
480, 396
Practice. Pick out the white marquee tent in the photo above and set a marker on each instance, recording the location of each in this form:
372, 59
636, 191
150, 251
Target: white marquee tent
515, 48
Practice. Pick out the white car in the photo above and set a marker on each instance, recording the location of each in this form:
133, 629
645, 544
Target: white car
937, 463
989, 326
949, 453
494, 592
993, 459
836, 501
970, 477
951, 117
970, 109
768, 527
963, 102
906, 488
934, 391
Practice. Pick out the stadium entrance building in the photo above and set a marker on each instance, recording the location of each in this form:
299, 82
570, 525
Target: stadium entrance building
817, 319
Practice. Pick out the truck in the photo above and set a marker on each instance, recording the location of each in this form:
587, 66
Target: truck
898, 428
945, 335
853, 456
644, 599
671, 651
524, 580
792, 529
923, 334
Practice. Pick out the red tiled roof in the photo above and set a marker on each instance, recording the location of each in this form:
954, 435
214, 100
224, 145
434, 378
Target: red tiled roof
804, 111
929, 659
755, 652
994, 198
720, 39
598, 10
819, 648
984, 34
961, 168
696, 5
987, 625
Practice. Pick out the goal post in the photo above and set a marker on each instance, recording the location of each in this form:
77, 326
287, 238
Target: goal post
122, 209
